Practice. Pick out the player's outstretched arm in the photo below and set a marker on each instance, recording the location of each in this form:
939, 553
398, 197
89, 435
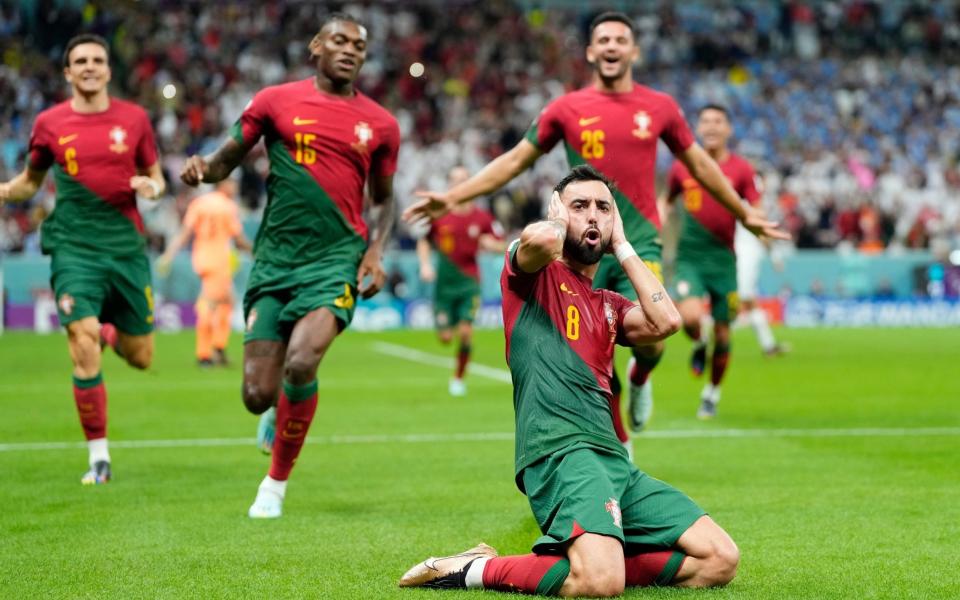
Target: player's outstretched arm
705, 170
492, 243
658, 317
433, 205
427, 272
178, 242
149, 183
371, 266
215, 166
22, 187
542, 242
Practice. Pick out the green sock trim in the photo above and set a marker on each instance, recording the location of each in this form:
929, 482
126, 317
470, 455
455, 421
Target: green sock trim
670, 569
85, 384
299, 393
553, 580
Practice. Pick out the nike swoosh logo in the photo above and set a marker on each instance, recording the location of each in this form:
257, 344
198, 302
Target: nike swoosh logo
67, 139
299, 121
584, 122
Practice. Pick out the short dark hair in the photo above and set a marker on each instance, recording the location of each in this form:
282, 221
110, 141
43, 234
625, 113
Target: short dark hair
583, 173
610, 15
84, 38
716, 107
342, 16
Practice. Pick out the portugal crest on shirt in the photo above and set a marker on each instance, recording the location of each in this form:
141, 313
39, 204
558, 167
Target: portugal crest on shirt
364, 134
118, 135
643, 121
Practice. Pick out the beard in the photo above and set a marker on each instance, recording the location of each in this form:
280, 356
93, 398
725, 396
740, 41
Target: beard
579, 251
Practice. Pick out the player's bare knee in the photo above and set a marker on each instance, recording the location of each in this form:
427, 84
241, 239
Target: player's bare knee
597, 585
445, 336
258, 398
721, 566
300, 368
141, 357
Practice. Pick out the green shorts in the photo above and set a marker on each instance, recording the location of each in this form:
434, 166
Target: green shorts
279, 296
456, 306
717, 279
610, 275
586, 489
115, 289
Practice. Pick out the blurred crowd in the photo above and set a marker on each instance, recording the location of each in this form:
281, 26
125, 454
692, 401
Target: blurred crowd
848, 108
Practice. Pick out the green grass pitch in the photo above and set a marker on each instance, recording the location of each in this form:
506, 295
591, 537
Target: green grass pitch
868, 509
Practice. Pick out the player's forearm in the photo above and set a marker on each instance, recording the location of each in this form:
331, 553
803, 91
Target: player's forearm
494, 176
423, 252
222, 161
384, 225
661, 314
540, 244
20, 188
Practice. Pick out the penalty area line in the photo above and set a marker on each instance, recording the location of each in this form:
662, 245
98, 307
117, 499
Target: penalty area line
434, 360
445, 438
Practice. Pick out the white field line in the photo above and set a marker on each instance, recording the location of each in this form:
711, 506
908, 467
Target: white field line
425, 358
445, 438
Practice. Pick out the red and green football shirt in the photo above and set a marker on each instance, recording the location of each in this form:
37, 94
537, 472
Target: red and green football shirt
322, 149
707, 226
456, 236
93, 156
560, 334
617, 134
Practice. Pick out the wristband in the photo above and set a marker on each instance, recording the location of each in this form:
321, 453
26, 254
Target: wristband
623, 251
155, 186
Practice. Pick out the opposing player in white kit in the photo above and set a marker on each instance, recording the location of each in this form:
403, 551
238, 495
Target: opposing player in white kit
750, 251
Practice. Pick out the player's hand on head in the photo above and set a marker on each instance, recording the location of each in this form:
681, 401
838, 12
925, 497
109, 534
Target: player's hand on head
193, 170
370, 275
618, 236
757, 224
557, 210
430, 207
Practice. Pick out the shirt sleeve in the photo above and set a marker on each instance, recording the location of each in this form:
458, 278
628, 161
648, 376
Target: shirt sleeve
621, 306
253, 122
40, 155
147, 146
547, 129
384, 161
676, 134
748, 188
515, 278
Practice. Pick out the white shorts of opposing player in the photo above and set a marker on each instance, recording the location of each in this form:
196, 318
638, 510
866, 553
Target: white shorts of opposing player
750, 252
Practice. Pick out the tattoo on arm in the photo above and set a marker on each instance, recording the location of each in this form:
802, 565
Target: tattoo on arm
657, 296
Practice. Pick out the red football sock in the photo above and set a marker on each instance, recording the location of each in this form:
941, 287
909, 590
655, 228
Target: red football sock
463, 357
642, 367
719, 362
530, 573
295, 410
90, 396
653, 568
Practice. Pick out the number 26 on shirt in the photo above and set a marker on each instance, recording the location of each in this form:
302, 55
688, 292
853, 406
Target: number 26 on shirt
592, 143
